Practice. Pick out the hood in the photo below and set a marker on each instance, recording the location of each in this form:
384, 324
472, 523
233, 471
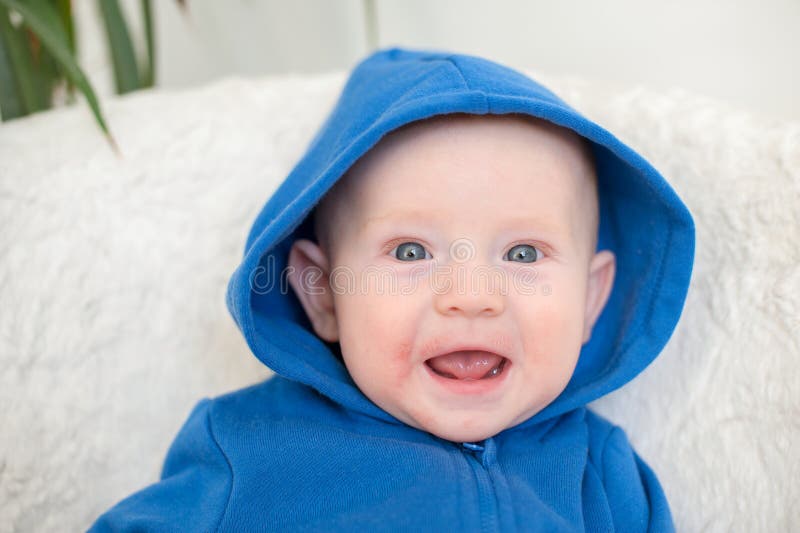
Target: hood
642, 221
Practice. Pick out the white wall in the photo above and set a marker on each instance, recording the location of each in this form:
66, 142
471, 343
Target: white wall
743, 52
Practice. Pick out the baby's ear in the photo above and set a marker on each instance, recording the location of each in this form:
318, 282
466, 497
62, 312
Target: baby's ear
308, 275
602, 269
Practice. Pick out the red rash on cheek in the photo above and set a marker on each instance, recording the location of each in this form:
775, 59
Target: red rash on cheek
401, 361
402, 353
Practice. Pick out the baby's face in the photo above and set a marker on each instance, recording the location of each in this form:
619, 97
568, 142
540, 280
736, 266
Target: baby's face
469, 235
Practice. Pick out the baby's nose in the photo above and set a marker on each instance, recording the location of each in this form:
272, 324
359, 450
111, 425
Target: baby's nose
468, 290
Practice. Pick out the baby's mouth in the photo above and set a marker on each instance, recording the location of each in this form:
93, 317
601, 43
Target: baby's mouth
468, 365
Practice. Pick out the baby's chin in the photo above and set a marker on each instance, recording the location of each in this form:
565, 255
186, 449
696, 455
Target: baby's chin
461, 424
457, 429
463, 435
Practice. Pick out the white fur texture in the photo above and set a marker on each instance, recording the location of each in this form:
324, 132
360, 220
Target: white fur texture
114, 270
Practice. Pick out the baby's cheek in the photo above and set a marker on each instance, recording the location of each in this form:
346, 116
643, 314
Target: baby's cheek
400, 362
537, 285
389, 340
401, 354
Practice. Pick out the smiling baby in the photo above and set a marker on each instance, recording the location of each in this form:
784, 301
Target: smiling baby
455, 348
459, 263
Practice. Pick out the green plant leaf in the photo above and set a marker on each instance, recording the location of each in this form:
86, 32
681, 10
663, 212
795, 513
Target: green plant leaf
64, 8
148, 72
126, 73
20, 69
45, 72
42, 19
11, 103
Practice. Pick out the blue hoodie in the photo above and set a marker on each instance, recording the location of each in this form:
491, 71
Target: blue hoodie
306, 450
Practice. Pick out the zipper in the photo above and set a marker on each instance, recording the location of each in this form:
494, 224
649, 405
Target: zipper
479, 456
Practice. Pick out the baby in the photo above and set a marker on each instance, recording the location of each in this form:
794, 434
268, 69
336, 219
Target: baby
456, 267
506, 208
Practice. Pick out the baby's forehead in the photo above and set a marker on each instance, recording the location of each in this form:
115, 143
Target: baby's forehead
447, 143
403, 164
460, 132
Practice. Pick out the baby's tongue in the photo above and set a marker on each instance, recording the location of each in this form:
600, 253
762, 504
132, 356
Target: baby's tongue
465, 365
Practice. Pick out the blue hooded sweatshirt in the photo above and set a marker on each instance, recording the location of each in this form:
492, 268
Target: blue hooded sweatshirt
307, 450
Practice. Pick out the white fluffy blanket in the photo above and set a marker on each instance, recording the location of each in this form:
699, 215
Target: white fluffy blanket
114, 269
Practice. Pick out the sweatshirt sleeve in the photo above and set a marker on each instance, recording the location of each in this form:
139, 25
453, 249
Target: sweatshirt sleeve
635, 497
193, 492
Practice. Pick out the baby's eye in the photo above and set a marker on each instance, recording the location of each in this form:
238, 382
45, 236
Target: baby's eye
409, 251
525, 253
